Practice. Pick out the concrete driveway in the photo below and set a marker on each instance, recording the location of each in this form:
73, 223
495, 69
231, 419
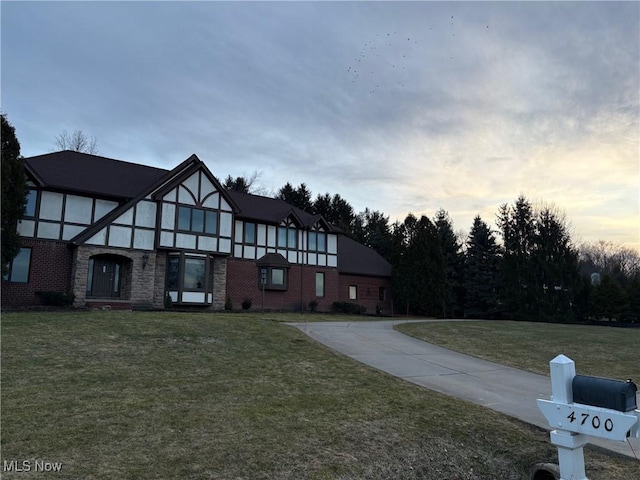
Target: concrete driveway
504, 389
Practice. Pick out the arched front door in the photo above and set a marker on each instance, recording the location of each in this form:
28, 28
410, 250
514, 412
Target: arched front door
105, 276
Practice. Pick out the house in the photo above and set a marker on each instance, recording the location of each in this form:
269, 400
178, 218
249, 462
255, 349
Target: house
132, 236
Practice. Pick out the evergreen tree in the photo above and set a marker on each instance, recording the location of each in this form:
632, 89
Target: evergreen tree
608, 300
539, 271
371, 228
14, 192
555, 264
452, 300
418, 271
238, 184
480, 273
516, 272
298, 197
337, 211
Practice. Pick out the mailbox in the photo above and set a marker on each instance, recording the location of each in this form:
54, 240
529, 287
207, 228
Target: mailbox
606, 393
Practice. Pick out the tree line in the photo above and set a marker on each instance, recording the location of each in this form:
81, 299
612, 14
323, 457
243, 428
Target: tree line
528, 269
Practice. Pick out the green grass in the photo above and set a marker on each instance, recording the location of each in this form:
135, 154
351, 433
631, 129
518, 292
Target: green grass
174, 395
600, 351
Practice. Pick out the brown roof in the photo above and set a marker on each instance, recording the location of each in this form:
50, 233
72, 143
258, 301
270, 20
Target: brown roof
101, 176
272, 210
92, 174
356, 259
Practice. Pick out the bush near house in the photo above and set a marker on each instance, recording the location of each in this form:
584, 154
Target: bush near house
349, 308
58, 299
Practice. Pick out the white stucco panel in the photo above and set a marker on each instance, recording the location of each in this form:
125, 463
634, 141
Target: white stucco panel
168, 220
250, 252
192, 183
99, 238
206, 187
26, 228
119, 236
184, 196
224, 245
271, 236
193, 297
226, 222
332, 261
51, 206
146, 214
49, 230
262, 235
185, 240
171, 196
224, 205
212, 201
78, 209
209, 244
70, 231
332, 243
238, 231
143, 239
126, 218
166, 239
102, 208
292, 256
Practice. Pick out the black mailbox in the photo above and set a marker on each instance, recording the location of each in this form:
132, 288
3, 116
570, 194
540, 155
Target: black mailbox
605, 393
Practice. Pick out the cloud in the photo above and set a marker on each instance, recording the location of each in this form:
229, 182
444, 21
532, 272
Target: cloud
395, 105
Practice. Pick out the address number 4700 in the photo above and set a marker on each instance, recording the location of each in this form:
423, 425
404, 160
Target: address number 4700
595, 421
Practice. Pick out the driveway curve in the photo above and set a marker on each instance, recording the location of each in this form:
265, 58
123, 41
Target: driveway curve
503, 389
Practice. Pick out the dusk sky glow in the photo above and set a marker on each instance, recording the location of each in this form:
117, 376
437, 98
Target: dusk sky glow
398, 107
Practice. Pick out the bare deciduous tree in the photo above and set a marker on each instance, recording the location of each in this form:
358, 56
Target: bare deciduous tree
77, 141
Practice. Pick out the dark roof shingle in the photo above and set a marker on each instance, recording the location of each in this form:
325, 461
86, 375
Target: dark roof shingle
84, 173
357, 259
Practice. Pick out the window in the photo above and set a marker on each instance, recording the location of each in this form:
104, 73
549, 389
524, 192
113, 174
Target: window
273, 272
273, 278
250, 233
287, 237
277, 276
190, 278
30, 208
382, 294
19, 267
353, 292
319, 284
317, 242
197, 220
194, 273
173, 272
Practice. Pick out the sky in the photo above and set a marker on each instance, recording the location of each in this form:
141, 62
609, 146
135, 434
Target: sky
399, 107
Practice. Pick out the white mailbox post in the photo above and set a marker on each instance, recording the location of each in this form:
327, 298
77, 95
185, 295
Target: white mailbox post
574, 422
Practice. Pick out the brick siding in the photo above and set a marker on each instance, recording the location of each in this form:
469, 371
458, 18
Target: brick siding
242, 283
49, 271
368, 292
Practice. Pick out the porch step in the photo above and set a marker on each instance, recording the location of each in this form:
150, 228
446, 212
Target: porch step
109, 305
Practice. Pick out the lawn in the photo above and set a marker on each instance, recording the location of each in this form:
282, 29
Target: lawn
600, 351
230, 396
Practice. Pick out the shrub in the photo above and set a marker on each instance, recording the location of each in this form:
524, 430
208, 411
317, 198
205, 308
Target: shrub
168, 302
246, 304
350, 308
228, 305
56, 298
313, 306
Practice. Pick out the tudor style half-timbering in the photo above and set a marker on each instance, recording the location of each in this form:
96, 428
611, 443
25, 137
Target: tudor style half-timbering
128, 235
